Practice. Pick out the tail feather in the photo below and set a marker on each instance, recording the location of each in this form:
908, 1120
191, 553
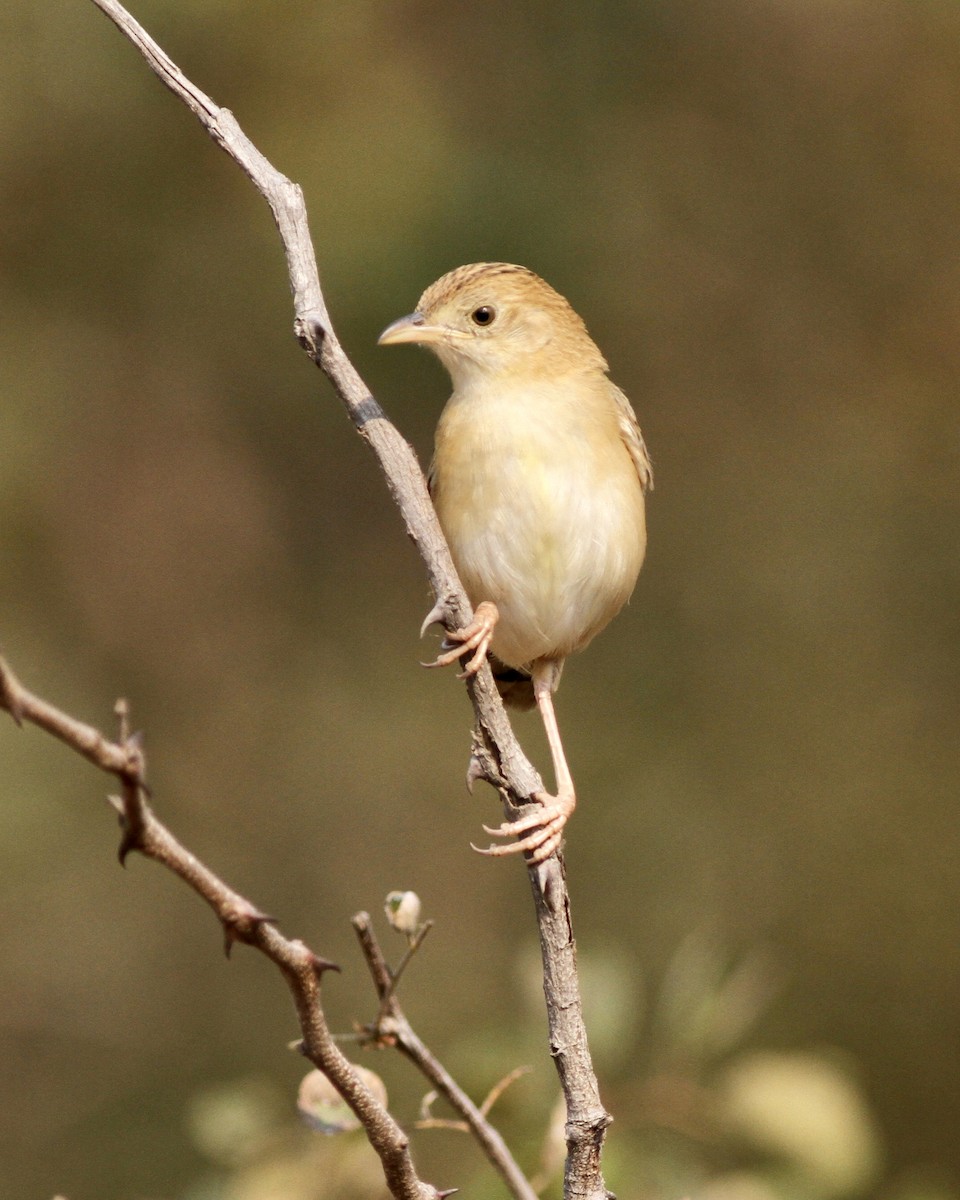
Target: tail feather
515, 686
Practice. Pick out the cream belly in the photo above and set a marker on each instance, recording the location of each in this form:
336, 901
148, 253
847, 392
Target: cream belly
556, 545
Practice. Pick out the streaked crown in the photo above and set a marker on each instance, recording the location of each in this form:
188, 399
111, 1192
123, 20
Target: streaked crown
494, 317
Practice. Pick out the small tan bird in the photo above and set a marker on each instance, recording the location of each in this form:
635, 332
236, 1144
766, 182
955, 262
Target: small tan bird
538, 477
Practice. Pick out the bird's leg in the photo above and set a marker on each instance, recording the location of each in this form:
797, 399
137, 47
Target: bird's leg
543, 830
476, 636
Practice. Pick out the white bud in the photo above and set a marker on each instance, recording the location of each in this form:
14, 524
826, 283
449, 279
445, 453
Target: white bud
403, 912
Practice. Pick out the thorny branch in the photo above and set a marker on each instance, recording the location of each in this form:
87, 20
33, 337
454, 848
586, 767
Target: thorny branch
497, 756
242, 922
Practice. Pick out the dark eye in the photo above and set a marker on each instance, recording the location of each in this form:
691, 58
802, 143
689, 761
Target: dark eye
483, 315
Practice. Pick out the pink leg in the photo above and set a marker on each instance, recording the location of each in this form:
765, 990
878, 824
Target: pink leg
543, 830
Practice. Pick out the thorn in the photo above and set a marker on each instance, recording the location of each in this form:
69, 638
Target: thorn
475, 771
319, 965
133, 746
127, 843
127, 840
241, 924
436, 616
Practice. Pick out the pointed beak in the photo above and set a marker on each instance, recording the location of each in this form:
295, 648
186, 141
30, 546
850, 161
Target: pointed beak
412, 328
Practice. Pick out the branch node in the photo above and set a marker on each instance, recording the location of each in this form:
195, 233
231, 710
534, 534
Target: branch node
241, 923
311, 330
383, 1032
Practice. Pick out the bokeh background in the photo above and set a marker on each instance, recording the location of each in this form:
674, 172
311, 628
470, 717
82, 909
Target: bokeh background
755, 206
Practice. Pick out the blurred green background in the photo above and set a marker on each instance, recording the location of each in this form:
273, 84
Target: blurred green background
755, 206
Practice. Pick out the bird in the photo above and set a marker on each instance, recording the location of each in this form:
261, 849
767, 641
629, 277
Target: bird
539, 477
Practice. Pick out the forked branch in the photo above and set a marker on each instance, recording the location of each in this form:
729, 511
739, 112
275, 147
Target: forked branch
241, 921
392, 1025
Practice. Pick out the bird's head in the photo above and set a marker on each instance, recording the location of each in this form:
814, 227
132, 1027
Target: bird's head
496, 320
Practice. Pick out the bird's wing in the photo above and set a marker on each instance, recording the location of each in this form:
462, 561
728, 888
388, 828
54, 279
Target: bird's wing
633, 438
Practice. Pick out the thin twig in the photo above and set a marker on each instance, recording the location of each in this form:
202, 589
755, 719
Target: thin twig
392, 1026
397, 973
501, 1086
427, 1121
442, 1123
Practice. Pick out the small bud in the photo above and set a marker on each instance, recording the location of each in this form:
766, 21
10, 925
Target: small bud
403, 912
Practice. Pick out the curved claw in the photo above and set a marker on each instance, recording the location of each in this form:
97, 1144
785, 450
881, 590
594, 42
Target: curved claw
475, 637
435, 615
543, 830
539, 845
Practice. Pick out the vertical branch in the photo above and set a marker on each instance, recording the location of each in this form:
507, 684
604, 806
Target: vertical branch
587, 1119
497, 751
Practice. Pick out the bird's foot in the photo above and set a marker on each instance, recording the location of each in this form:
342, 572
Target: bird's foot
540, 833
475, 637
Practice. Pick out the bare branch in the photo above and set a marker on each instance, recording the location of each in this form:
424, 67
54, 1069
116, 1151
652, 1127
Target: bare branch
300, 966
393, 1027
125, 761
501, 1086
397, 973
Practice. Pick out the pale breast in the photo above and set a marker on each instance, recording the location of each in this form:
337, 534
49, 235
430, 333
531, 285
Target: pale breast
543, 508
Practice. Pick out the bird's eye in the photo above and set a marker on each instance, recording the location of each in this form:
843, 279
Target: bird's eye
483, 315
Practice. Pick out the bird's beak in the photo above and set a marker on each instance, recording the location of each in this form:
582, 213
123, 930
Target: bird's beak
412, 328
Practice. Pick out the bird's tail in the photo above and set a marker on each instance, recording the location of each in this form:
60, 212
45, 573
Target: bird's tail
515, 686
